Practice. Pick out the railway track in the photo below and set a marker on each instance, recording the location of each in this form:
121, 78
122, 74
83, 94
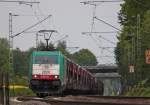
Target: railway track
90, 100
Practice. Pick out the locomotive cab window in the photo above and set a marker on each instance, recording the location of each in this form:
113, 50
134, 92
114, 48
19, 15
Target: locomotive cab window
45, 59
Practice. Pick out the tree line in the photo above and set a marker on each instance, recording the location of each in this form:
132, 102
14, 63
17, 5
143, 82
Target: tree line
134, 40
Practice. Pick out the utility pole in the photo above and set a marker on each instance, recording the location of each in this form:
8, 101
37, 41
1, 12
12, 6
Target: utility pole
11, 40
10, 49
139, 50
138, 41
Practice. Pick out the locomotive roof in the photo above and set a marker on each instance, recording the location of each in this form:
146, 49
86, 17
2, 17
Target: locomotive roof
47, 52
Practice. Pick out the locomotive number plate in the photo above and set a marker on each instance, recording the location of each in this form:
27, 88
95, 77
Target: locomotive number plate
45, 72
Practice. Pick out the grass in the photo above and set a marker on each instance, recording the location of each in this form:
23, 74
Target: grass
19, 87
139, 90
21, 91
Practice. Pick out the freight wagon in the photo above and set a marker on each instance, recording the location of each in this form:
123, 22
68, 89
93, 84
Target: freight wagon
52, 73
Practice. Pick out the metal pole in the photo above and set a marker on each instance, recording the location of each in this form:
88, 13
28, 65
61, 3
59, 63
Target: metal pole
138, 36
11, 46
47, 43
10, 43
7, 88
1, 88
37, 41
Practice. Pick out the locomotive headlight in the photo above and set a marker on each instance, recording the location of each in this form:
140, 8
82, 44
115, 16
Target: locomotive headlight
55, 76
35, 76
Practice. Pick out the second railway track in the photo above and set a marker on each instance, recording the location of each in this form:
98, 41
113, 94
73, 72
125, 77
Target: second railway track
90, 100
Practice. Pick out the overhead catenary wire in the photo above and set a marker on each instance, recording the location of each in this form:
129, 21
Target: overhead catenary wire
102, 32
106, 48
17, 1
108, 24
31, 26
101, 1
30, 15
30, 3
107, 40
42, 13
39, 9
66, 36
36, 15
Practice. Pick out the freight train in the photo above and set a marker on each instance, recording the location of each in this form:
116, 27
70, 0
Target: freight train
52, 73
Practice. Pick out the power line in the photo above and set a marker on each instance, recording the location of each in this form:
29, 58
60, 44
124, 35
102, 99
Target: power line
102, 1
107, 40
107, 24
31, 32
20, 2
30, 15
61, 39
107, 47
103, 32
40, 10
35, 14
30, 27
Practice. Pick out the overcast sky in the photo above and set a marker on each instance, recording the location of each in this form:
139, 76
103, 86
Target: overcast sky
69, 17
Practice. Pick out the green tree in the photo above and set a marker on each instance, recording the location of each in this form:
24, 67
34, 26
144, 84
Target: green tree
21, 62
84, 57
128, 51
61, 46
4, 55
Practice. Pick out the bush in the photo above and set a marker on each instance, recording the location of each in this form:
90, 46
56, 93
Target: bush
21, 92
140, 90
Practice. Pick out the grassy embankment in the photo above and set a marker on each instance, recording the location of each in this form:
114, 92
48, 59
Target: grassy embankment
140, 90
19, 87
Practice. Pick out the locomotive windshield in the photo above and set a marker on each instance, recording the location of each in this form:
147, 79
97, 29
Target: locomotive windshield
45, 59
